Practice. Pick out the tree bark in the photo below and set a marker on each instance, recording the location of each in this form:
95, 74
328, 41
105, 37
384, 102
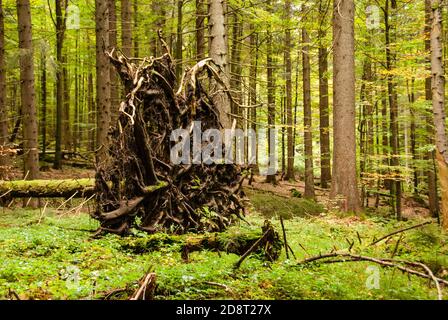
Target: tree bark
114, 83
102, 77
438, 104
344, 185
307, 118
236, 69
324, 112
218, 52
433, 198
393, 104
4, 161
271, 98
200, 25
28, 94
179, 40
289, 120
60, 32
126, 27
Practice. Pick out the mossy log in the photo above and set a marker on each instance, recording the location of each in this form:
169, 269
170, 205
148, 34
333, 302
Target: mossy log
76, 188
236, 240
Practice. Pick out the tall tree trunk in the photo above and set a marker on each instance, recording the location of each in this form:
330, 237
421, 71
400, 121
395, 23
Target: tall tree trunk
179, 40
135, 32
438, 104
393, 104
200, 25
158, 9
43, 99
60, 31
218, 52
3, 109
113, 43
66, 123
253, 72
324, 112
271, 99
433, 198
236, 69
102, 77
126, 27
288, 72
344, 184
307, 118
28, 94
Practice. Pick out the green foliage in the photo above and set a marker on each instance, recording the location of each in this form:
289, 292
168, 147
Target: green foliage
271, 205
55, 259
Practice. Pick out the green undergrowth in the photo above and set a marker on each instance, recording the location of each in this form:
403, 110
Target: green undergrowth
52, 257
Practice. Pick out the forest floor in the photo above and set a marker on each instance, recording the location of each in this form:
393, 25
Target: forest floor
50, 255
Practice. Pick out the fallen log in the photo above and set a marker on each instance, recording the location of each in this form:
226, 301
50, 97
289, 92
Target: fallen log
48, 188
70, 188
235, 241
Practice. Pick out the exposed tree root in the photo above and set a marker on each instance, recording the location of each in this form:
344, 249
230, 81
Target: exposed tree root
197, 197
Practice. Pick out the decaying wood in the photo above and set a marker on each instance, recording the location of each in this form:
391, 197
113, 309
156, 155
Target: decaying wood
335, 257
146, 288
236, 242
401, 231
69, 188
266, 241
197, 197
47, 188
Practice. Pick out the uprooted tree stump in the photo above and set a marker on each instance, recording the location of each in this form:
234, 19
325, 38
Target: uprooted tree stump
194, 197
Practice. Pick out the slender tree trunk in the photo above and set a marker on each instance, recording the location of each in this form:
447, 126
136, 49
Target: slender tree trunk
307, 118
158, 9
236, 69
102, 78
91, 111
438, 104
60, 31
200, 25
43, 101
114, 83
135, 32
218, 52
411, 99
433, 197
288, 72
271, 99
28, 94
66, 123
324, 112
393, 103
253, 72
344, 186
126, 27
179, 40
3, 109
